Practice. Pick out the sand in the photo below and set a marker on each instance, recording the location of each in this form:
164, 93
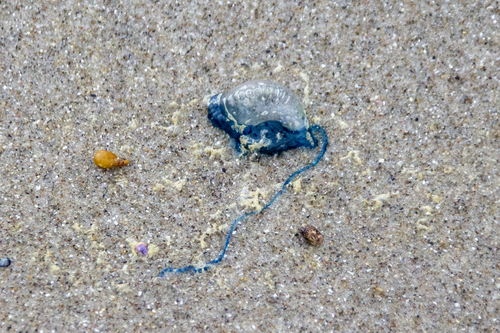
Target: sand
407, 197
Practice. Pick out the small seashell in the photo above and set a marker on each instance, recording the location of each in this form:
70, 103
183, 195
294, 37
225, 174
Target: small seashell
142, 248
312, 235
106, 159
4, 262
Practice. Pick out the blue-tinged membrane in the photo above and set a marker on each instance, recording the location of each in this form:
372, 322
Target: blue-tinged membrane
269, 137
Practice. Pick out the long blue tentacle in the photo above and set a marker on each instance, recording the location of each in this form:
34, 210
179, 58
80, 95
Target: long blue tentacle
192, 268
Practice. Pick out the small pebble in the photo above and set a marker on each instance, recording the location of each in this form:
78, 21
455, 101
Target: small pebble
5, 262
142, 249
312, 235
107, 160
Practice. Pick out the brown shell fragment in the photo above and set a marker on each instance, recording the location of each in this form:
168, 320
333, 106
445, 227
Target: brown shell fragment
312, 235
106, 159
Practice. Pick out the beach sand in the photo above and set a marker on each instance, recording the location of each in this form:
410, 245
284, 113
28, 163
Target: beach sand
407, 196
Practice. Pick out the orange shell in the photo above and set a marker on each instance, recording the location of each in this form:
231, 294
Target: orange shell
106, 159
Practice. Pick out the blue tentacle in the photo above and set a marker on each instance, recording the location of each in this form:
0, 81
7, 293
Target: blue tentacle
191, 268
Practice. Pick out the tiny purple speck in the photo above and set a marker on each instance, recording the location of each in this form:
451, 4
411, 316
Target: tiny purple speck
142, 248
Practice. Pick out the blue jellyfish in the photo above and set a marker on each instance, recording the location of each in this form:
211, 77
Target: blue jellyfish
262, 117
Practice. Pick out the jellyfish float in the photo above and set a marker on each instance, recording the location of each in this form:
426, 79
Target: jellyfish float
262, 117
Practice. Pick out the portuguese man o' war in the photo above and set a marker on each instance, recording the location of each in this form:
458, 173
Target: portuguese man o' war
262, 117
